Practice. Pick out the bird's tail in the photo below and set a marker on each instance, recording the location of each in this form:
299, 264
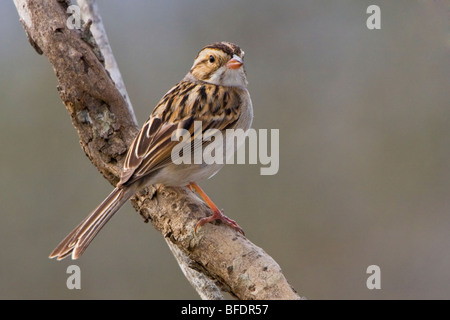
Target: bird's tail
79, 239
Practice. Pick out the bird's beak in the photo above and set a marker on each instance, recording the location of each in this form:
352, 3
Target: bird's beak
235, 62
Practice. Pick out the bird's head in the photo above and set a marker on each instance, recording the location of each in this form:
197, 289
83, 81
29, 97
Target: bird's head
220, 63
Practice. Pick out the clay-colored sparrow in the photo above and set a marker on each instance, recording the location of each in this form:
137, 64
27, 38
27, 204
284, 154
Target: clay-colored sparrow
213, 92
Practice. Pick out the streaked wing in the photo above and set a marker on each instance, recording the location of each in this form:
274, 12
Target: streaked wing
217, 107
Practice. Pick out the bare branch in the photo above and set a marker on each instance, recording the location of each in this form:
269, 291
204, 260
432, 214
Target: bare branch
89, 11
106, 128
205, 287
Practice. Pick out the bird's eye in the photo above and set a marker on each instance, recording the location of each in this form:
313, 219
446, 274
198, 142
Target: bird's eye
212, 59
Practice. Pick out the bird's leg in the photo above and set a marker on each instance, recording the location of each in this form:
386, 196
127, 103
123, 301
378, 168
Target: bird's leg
217, 214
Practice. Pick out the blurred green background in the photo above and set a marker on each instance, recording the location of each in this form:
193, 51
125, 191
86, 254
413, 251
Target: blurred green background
364, 119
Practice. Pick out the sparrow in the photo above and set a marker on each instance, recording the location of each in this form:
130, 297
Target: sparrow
214, 92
